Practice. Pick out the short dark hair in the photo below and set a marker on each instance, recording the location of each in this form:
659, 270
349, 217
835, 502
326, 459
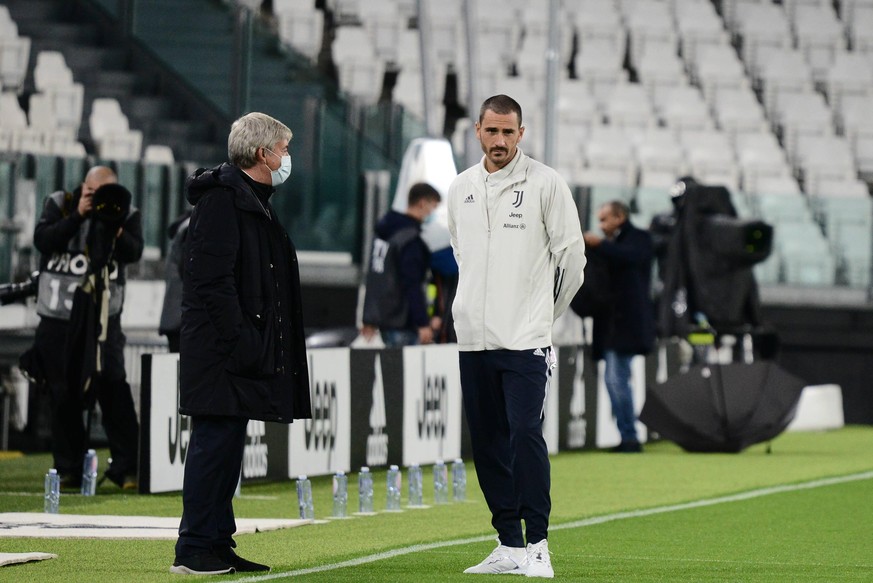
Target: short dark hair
619, 208
501, 105
422, 190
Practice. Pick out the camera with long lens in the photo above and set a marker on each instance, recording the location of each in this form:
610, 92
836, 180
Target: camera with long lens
111, 204
14, 292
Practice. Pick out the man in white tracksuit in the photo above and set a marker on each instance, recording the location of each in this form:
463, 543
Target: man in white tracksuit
516, 236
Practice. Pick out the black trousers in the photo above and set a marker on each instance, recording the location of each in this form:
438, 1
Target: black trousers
212, 469
69, 438
504, 400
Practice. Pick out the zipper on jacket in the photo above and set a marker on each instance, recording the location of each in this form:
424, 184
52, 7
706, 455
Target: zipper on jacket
488, 262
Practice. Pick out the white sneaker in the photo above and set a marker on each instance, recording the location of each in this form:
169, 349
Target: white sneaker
503, 560
539, 563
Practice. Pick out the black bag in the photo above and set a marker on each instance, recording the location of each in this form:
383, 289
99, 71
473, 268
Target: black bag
385, 305
30, 365
594, 297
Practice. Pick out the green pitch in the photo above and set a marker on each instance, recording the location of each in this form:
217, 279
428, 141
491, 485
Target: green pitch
801, 513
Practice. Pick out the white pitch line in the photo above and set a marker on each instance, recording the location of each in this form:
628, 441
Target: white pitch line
757, 493
39, 494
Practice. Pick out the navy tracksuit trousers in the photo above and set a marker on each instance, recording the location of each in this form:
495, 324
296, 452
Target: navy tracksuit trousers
504, 399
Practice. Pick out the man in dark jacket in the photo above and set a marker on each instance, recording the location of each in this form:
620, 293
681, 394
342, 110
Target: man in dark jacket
65, 238
627, 328
171, 312
242, 347
395, 301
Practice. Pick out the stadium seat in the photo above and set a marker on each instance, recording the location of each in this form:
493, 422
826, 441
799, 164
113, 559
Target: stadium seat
408, 91
280, 6
121, 145
301, 28
819, 35
850, 74
158, 154
106, 117
782, 71
576, 104
761, 26
598, 21
628, 106
801, 114
860, 29
683, 109
13, 121
698, 25
717, 67
14, 56
852, 9
361, 73
862, 149
531, 57
408, 55
51, 70
659, 154
649, 24
760, 157
600, 67
661, 70
824, 158
737, 111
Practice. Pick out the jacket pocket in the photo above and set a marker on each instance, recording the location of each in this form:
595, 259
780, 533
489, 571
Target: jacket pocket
255, 353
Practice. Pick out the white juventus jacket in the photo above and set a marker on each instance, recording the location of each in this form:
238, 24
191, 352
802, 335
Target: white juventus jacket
518, 243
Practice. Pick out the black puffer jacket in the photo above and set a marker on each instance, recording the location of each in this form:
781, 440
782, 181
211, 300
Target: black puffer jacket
242, 344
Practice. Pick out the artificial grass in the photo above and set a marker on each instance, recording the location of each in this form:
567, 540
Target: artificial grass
714, 543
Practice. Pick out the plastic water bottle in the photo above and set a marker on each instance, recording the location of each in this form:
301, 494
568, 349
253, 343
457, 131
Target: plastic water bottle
415, 488
340, 494
459, 480
52, 491
304, 498
89, 474
365, 491
440, 483
238, 492
393, 489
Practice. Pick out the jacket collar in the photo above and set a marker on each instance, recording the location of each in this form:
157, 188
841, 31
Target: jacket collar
515, 171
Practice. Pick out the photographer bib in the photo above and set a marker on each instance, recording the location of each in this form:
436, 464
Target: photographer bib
58, 282
66, 271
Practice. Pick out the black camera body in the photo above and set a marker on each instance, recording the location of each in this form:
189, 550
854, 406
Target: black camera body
111, 204
14, 292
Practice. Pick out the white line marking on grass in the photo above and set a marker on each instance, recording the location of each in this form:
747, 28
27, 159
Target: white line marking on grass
713, 501
40, 494
575, 524
717, 561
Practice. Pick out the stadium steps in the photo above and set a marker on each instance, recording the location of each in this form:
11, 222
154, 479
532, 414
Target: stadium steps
103, 63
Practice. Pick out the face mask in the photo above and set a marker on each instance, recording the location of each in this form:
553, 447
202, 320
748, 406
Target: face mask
281, 175
428, 219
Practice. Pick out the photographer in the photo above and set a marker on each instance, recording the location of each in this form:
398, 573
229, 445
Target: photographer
76, 238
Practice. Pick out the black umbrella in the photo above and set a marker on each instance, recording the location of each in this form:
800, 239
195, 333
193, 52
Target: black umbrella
723, 407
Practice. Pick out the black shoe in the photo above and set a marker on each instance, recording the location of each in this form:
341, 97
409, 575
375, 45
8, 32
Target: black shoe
241, 565
125, 482
203, 564
71, 483
628, 447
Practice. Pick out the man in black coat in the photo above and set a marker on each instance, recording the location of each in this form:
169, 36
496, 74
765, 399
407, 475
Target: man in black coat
627, 328
242, 347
